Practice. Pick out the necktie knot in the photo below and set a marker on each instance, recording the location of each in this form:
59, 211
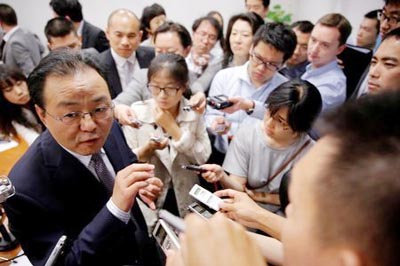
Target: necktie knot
102, 172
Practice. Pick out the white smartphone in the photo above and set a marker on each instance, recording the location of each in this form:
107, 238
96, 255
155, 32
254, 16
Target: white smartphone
205, 197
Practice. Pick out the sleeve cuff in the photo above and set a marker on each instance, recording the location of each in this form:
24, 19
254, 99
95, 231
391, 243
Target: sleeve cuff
117, 212
259, 110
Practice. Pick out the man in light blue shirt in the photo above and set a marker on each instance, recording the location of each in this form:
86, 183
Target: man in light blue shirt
328, 39
248, 86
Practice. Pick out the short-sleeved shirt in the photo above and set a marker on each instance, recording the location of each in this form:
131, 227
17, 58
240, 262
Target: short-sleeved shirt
250, 156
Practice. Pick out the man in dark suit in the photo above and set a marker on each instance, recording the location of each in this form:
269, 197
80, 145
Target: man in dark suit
65, 182
92, 36
125, 58
19, 48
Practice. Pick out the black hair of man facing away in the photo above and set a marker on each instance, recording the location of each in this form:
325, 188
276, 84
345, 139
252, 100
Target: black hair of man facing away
60, 189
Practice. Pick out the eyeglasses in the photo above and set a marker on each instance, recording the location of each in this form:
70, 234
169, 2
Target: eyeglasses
168, 90
72, 118
390, 20
210, 37
269, 65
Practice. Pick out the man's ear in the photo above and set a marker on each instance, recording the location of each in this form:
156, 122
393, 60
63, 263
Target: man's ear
107, 33
41, 113
186, 51
341, 48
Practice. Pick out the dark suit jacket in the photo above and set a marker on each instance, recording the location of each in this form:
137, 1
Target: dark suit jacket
94, 37
144, 56
57, 195
355, 60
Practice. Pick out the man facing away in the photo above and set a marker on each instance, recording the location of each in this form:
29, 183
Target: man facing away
19, 48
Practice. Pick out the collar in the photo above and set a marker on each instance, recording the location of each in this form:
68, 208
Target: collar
120, 61
79, 30
316, 71
243, 75
84, 159
7, 36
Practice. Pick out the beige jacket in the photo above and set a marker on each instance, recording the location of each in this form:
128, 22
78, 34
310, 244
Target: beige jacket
193, 148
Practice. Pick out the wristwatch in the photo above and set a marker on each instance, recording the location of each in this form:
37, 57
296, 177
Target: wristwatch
250, 110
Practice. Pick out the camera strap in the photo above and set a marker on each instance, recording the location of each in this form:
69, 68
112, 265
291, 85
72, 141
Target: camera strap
282, 167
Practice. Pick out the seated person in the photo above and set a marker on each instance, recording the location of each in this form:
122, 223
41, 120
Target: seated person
169, 136
17, 114
263, 151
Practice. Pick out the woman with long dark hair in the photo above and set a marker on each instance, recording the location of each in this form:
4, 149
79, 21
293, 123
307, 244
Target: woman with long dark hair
17, 115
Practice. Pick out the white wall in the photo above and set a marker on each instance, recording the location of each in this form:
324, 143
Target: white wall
33, 14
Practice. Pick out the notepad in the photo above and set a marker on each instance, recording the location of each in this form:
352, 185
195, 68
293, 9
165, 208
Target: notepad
7, 144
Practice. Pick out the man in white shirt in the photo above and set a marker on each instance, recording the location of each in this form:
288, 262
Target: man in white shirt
249, 85
125, 58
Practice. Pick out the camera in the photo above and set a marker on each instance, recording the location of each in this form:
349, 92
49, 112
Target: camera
219, 102
6, 189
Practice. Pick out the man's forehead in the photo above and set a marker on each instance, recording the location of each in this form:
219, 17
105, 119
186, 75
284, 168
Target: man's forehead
388, 47
392, 9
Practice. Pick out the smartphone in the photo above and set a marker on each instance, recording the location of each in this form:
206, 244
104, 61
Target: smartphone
201, 210
205, 197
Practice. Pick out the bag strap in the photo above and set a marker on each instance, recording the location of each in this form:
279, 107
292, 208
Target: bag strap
283, 166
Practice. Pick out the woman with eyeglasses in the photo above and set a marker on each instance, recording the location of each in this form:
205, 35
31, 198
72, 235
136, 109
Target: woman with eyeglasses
262, 151
17, 114
171, 134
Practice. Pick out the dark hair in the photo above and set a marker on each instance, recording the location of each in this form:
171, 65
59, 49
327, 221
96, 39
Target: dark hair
212, 21
10, 112
174, 63
255, 22
336, 20
214, 12
60, 62
8, 15
180, 30
303, 26
302, 99
149, 12
391, 2
58, 27
358, 192
374, 15
279, 36
70, 8
265, 3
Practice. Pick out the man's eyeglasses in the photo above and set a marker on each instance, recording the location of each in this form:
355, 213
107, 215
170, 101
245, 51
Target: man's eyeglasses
269, 65
72, 118
168, 90
390, 20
